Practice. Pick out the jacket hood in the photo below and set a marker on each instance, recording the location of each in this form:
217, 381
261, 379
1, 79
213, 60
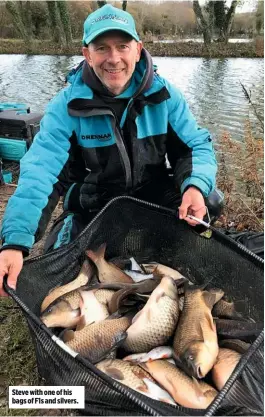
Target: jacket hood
83, 76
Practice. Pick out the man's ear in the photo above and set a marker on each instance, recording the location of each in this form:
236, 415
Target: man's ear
139, 50
86, 54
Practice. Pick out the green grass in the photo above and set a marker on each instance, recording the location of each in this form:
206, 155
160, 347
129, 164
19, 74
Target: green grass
17, 355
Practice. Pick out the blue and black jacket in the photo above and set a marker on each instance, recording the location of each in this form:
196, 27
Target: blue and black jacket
88, 148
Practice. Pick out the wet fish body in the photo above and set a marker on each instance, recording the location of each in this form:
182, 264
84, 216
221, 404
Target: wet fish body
120, 295
76, 308
157, 320
160, 352
227, 360
195, 341
83, 278
136, 378
186, 391
107, 272
226, 309
97, 340
138, 276
92, 310
65, 311
162, 270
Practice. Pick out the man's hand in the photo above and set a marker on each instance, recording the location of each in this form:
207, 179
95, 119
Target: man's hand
192, 203
11, 262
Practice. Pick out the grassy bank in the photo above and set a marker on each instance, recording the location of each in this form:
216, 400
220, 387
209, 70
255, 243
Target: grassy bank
253, 49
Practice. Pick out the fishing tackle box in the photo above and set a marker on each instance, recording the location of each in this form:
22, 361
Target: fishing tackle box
131, 227
17, 130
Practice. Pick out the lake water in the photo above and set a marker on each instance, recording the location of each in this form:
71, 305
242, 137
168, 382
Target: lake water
211, 86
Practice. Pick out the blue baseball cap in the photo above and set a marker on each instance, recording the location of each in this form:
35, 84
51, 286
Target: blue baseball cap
108, 18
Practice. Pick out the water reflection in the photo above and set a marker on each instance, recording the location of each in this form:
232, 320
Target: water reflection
211, 86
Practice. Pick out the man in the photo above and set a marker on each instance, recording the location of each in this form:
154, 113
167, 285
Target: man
107, 134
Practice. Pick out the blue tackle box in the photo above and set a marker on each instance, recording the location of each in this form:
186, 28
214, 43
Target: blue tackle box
17, 129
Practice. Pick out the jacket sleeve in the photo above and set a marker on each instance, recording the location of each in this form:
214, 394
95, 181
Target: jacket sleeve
189, 147
40, 169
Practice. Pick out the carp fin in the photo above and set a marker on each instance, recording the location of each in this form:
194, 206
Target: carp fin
197, 388
81, 323
98, 254
142, 388
210, 321
85, 273
68, 335
209, 298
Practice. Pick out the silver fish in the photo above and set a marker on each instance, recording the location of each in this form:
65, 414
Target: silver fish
160, 352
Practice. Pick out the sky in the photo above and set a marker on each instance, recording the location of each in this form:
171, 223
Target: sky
247, 5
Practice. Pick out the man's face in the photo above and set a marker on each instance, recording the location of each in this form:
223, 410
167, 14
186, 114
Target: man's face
113, 57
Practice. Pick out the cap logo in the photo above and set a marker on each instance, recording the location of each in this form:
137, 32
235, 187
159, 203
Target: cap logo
113, 17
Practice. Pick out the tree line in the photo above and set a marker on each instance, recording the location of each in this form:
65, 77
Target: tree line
62, 21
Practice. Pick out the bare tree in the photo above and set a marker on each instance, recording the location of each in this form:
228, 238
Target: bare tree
13, 9
229, 17
260, 16
205, 24
55, 22
65, 19
217, 15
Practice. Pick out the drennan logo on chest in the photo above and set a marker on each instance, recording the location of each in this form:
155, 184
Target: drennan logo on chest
104, 137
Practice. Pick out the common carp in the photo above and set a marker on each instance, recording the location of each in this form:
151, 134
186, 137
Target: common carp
227, 360
186, 391
156, 322
97, 340
136, 378
195, 341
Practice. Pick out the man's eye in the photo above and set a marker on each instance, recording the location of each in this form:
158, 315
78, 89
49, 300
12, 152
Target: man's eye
101, 48
123, 46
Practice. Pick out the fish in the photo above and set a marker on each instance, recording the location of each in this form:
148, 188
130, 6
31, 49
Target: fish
238, 329
65, 311
226, 309
83, 278
118, 297
107, 272
135, 266
134, 377
138, 276
195, 341
76, 308
160, 352
104, 295
156, 322
95, 341
186, 391
234, 344
227, 360
92, 310
160, 269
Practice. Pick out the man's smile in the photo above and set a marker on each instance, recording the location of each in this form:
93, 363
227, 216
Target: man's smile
113, 71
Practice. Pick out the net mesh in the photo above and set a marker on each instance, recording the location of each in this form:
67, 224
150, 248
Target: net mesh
149, 233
